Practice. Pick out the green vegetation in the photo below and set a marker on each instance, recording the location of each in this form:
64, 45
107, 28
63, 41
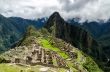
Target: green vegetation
82, 63
91, 66
3, 60
10, 68
45, 43
31, 35
32, 31
87, 62
17, 68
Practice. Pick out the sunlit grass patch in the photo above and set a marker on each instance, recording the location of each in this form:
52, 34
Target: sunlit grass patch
45, 43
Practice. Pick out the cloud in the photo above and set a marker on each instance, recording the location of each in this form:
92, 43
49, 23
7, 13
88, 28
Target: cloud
33, 9
69, 5
28, 8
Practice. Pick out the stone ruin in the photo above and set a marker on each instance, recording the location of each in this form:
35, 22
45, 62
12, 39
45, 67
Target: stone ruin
40, 56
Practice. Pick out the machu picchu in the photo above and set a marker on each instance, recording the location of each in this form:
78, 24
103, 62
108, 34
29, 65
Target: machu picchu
41, 50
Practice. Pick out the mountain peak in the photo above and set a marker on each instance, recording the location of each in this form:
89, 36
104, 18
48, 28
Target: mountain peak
2, 17
54, 19
56, 14
75, 35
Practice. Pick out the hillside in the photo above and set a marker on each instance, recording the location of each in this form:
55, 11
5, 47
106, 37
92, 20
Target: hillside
74, 35
36, 52
8, 33
48, 49
100, 31
13, 28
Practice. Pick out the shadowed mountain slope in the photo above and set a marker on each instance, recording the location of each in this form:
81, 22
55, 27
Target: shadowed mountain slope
77, 36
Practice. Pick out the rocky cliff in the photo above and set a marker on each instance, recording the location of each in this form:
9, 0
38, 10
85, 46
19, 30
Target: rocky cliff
77, 36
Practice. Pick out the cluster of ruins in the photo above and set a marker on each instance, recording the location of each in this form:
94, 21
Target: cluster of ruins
37, 55
68, 49
41, 56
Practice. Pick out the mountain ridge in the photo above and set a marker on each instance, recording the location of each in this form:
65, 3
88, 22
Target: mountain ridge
13, 28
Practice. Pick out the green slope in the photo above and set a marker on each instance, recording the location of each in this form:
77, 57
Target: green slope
79, 62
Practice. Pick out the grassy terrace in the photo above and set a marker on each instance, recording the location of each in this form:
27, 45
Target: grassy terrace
17, 68
11, 68
45, 43
82, 61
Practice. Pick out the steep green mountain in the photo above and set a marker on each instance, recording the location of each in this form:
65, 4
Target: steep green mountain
42, 50
77, 36
98, 29
8, 33
101, 32
13, 28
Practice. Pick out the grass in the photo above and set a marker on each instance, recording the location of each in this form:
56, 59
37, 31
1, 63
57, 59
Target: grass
84, 63
11, 68
71, 66
91, 66
16, 68
87, 62
45, 43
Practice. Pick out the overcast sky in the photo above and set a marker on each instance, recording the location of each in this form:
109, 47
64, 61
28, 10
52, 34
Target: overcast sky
33, 9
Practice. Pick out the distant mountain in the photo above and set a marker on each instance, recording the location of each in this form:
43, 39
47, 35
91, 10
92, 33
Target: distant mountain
100, 31
23, 22
8, 33
13, 28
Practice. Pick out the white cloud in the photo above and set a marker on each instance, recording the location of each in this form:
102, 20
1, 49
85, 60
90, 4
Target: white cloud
85, 9
28, 8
